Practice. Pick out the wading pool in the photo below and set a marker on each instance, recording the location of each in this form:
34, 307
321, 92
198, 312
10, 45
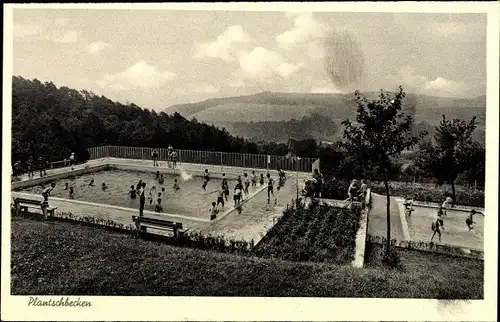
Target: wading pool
455, 231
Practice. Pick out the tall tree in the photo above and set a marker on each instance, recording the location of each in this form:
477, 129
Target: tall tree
453, 153
381, 133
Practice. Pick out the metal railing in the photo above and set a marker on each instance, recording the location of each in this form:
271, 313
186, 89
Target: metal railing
243, 160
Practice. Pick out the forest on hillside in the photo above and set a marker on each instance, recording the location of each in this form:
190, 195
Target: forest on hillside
309, 127
54, 122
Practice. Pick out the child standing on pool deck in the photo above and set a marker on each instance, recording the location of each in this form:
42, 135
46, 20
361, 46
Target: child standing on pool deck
46, 193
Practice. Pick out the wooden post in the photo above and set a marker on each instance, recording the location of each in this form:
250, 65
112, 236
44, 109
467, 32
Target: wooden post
44, 210
18, 206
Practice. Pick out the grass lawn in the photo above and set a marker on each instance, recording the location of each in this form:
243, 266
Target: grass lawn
51, 258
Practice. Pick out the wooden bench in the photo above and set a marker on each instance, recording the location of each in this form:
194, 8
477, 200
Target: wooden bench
22, 205
144, 222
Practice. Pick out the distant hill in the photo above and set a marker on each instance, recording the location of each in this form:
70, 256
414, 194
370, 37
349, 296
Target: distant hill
234, 113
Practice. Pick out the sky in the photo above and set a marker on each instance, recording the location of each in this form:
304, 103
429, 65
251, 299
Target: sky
159, 58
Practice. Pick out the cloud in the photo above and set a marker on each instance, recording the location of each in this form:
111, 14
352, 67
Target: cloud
438, 86
139, 75
305, 29
225, 46
68, 37
97, 46
27, 30
263, 64
287, 69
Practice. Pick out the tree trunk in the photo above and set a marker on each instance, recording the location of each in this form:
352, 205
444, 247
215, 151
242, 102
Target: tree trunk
388, 212
453, 191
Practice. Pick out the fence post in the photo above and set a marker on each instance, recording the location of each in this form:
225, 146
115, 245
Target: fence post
221, 164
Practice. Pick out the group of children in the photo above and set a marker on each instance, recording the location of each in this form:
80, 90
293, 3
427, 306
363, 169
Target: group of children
171, 157
242, 188
437, 225
91, 183
356, 191
155, 195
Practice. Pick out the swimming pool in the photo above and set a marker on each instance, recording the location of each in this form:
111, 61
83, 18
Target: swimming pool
190, 199
455, 231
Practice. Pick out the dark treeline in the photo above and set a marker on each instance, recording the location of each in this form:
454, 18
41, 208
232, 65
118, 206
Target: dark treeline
54, 122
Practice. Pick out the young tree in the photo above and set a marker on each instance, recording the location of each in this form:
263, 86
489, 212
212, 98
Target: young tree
453, 153
381, 133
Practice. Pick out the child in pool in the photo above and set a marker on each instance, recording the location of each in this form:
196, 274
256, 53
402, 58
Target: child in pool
104, 186
132, 192
161, 179
436, 228
220, 196
470, 219
214, 211
176, 185
66, 186
409, 206
237, 195
71, 193
254, 179
446, 205
261, 180
158, 207
206, 178
270, 188
247, 183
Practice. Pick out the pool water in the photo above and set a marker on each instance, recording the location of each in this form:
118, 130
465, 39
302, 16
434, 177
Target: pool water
190, 199
455, 231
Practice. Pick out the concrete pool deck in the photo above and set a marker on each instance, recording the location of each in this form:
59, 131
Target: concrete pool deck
248, 225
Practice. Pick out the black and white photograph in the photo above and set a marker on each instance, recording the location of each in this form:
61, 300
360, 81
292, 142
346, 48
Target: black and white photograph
258, 154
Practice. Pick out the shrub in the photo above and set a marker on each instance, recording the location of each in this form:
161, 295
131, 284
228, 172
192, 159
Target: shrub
333, 188
464, 196
392, 259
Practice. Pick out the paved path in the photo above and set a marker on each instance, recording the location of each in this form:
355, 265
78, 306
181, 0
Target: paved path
377, 218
